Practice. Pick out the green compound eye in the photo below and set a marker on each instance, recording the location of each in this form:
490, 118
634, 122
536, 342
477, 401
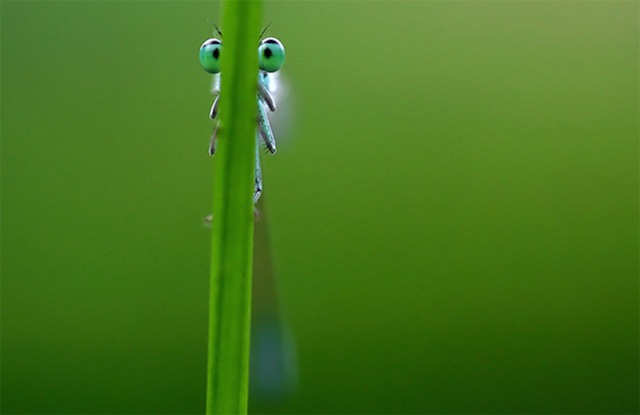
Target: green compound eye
210, 55
270, 54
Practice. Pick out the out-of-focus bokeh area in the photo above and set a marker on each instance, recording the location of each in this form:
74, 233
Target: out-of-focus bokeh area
453, 208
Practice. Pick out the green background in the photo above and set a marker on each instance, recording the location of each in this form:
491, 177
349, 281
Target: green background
453, 207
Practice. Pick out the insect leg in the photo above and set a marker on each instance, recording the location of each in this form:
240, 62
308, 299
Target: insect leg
266, 96
258, 174
212, 145
264, 127
214, 109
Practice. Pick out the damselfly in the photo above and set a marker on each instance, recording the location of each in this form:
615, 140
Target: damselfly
270, 60
273, 361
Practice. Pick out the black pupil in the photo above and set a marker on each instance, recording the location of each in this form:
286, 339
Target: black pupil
267, 53
216, 53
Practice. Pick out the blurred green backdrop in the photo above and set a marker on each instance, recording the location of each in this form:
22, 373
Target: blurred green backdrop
453, 207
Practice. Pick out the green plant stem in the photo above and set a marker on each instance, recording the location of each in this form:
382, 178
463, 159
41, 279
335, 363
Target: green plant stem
232, 243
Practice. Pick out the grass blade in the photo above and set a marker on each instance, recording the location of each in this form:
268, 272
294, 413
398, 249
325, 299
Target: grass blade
232, 243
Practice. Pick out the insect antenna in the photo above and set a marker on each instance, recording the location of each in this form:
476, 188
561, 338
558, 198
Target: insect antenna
263, 31
216, 26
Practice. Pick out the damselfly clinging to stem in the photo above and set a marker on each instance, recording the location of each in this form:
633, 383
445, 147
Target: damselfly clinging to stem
273, 362
270, 60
